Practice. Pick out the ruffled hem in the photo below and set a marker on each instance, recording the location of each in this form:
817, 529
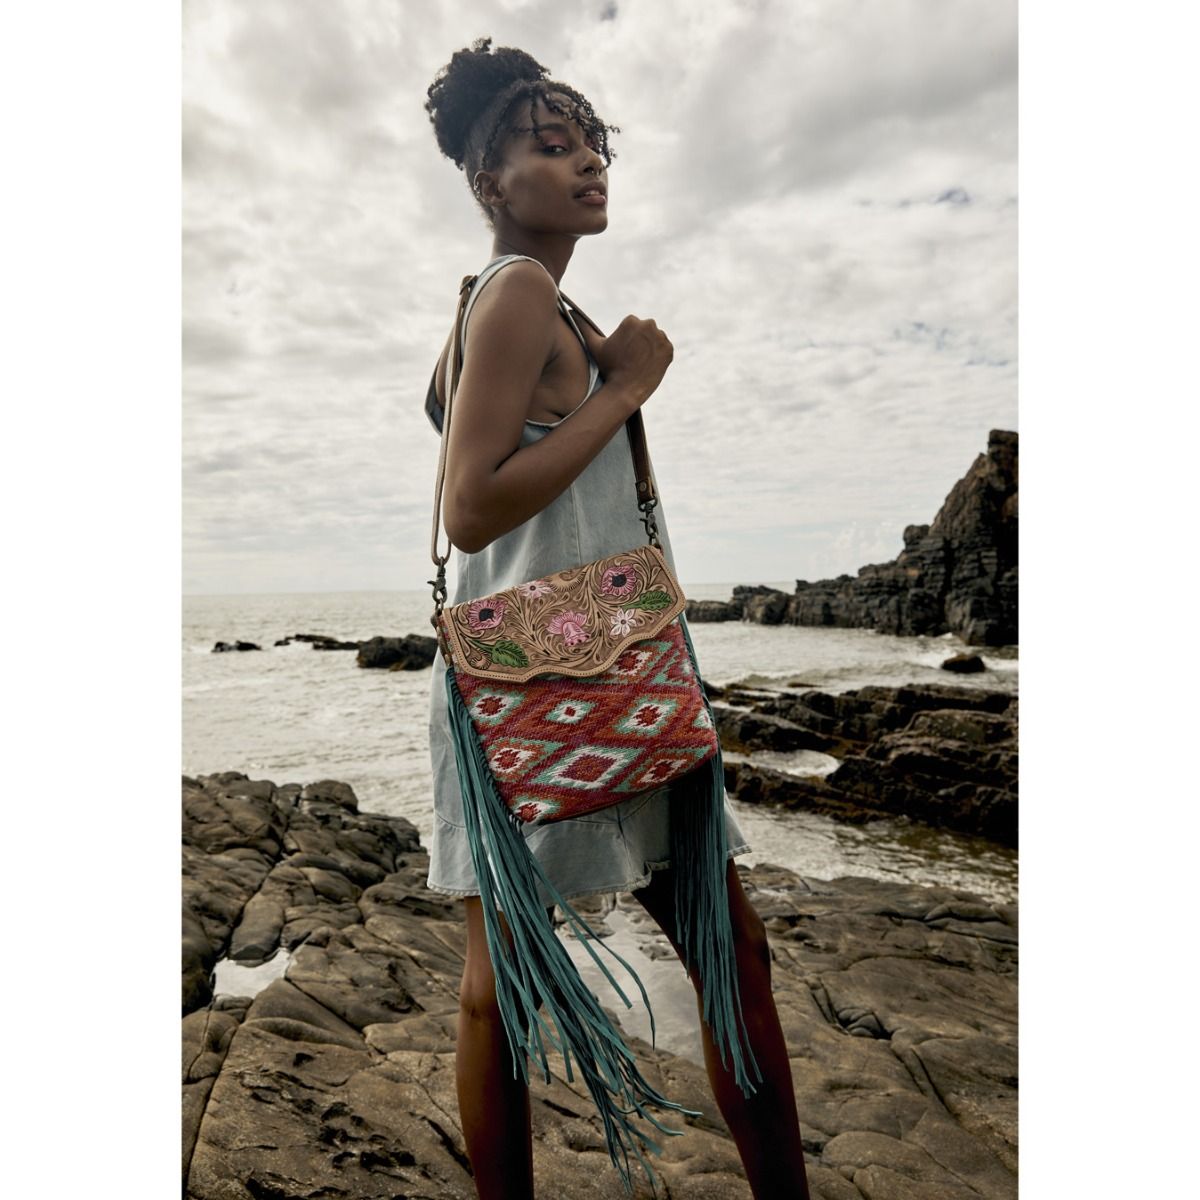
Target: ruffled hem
629, 885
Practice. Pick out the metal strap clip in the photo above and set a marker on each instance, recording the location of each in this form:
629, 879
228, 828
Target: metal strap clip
647, 509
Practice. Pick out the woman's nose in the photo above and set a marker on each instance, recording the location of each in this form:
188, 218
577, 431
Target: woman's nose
592, 161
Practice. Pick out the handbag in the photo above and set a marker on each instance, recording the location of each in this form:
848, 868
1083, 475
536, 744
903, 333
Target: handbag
568, 694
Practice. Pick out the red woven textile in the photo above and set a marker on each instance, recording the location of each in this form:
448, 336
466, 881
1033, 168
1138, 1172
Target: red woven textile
561, 746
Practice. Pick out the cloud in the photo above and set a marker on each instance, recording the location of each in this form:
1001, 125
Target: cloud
816, 200
211, 342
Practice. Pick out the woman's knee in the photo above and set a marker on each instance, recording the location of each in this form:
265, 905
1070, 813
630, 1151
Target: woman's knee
750, 938
477, 999
477, 990
477, 996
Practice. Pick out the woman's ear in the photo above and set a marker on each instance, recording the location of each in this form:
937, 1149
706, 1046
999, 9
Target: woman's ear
487, 188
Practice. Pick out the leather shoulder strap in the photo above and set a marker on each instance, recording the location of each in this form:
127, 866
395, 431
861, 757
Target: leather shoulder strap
634, 427
453, 369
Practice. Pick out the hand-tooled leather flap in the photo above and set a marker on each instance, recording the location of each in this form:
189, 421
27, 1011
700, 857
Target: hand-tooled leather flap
574, 622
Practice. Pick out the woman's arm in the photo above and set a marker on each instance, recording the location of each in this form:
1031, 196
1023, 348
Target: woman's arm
492, 484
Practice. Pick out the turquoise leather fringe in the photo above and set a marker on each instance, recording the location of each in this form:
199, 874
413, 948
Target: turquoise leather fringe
699, 848
538, 972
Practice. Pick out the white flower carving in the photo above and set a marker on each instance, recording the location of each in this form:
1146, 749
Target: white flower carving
623, 621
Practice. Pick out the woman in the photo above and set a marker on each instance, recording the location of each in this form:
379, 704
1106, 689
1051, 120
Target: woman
539, 478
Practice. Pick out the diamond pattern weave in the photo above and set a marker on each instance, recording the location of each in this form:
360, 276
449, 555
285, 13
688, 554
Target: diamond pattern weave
563, 746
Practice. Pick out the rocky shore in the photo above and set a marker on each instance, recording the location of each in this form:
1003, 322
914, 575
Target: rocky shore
945, 755
957, 574
411, 652
899, 1005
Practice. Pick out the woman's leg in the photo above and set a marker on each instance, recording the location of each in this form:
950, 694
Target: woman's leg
765, 1126
493, 1105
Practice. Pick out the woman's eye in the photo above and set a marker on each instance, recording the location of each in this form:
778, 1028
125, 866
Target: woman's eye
553, 146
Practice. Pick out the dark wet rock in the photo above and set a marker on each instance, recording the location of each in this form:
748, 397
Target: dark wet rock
266, 866
329, 791
957, 574
262, 920
216, 888
752, 602
766, 606
965, 664
318, 643
755, 784
199, 956
898, 1005
409, 653
937, 753
225, 647
744, 730
712, 610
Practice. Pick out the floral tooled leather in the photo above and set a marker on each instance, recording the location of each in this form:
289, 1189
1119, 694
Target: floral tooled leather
575, 622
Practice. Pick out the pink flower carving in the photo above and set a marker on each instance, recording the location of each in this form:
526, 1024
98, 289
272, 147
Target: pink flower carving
486, 613
534, 588
620, 580
570, 626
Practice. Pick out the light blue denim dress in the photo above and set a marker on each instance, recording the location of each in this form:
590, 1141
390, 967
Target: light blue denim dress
617, 848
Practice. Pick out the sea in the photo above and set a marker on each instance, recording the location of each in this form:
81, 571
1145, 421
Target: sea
293, 714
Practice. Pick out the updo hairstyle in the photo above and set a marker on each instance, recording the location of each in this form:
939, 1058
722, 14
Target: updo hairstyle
474, 101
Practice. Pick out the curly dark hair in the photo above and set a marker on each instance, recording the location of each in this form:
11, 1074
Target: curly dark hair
473, 102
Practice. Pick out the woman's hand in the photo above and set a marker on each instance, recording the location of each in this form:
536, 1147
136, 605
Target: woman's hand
635, 356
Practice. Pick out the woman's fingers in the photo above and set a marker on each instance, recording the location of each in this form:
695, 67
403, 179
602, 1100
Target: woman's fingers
636, 354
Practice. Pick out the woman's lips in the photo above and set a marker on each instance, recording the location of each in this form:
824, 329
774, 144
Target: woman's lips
593, 198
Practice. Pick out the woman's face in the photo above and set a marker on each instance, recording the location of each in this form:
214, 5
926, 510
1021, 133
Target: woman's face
543, 180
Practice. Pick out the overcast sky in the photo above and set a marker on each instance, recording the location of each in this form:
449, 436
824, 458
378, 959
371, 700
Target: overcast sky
817, 201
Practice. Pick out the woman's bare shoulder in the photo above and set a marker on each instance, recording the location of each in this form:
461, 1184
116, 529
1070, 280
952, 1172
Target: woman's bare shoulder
518, 299
515, 307
521, 281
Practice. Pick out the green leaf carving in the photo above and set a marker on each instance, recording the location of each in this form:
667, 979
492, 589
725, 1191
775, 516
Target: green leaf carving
652, 601
508, 654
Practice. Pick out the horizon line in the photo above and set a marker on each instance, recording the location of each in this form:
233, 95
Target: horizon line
345, 591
